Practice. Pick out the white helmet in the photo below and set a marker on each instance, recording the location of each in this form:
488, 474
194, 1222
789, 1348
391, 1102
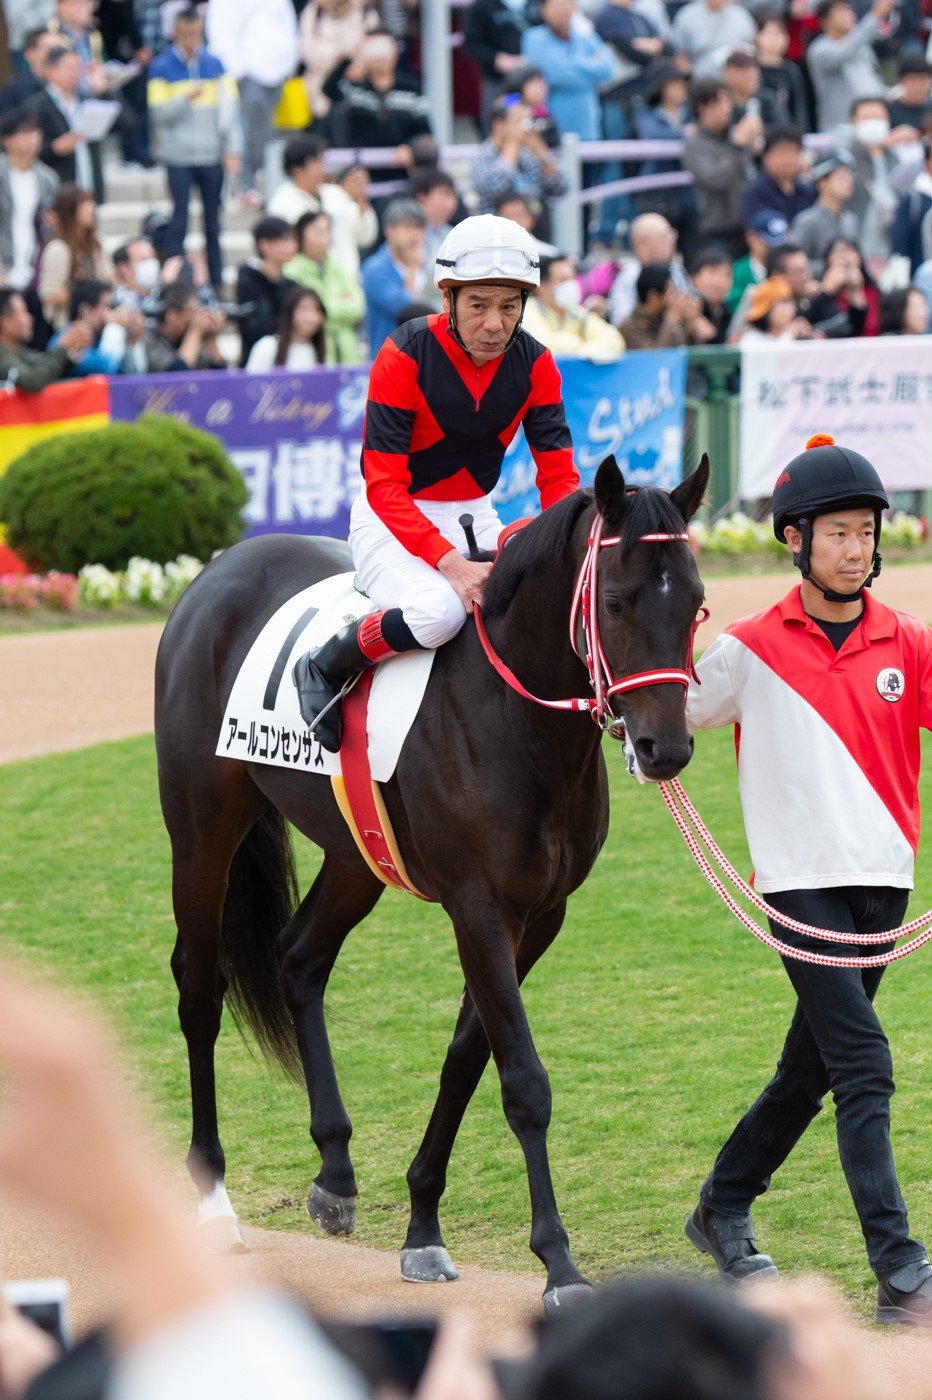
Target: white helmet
486, 248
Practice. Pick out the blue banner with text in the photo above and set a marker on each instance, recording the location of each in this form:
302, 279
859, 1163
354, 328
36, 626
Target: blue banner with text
296, 437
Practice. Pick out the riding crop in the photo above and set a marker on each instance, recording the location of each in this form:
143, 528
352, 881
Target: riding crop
697, 835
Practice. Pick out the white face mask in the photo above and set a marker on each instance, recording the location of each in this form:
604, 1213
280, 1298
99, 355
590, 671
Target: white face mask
567, 295
873, 131
146, 274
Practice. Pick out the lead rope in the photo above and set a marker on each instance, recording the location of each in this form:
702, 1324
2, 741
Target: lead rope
696, 835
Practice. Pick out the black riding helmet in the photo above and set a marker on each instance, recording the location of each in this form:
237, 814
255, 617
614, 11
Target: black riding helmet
823, 478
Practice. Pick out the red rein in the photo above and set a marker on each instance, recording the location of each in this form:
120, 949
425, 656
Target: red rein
586, 607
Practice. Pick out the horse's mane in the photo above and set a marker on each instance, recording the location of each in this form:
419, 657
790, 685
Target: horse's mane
546, 540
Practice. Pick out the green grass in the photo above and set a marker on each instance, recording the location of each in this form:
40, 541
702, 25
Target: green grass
658, 1018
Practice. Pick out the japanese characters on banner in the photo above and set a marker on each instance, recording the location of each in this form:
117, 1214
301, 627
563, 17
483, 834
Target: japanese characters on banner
296, 437
874, 395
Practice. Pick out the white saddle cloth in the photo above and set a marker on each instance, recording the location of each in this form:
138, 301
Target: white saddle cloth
261, 721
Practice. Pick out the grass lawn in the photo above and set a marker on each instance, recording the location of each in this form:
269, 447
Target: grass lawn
658, 1018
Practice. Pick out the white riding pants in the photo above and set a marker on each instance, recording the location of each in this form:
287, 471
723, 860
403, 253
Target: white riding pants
395, 578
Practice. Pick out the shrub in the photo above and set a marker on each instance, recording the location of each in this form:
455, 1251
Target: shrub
156, 490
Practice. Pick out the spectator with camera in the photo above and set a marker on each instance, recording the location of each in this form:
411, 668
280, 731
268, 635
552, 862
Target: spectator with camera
305, 190
262, 284
711, 273
194, 112
26, 186
64, 149
183, 334
341, 294
115, 331
847, 302
742, 77
719, 157
662, 316
514, 159
375, 105
31, 371
300, 338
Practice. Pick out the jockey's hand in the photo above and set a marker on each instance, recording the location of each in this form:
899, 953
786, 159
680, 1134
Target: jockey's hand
466, 577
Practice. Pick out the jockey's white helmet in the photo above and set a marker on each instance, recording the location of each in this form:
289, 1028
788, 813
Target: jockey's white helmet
486, 248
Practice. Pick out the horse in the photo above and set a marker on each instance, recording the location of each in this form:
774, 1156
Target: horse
499, 805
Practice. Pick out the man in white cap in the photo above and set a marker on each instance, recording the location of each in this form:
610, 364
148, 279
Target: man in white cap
447, 393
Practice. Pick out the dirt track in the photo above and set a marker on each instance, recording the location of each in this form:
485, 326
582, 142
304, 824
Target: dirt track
66, 690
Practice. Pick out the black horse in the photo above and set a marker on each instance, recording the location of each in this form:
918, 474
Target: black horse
500, 809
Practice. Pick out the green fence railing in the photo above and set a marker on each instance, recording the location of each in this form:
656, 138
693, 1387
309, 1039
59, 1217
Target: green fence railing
712, 421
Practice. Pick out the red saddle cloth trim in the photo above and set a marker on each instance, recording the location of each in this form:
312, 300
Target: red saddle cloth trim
361, 792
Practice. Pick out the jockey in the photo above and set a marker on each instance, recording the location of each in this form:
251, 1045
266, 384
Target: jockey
447, 393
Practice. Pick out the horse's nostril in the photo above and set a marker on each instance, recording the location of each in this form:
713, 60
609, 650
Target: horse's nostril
647, 750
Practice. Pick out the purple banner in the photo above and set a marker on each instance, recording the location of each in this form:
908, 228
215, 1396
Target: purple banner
296, 438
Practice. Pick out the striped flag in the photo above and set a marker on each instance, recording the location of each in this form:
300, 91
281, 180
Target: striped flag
74, 406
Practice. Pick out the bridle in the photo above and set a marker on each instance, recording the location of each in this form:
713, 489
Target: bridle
584, 613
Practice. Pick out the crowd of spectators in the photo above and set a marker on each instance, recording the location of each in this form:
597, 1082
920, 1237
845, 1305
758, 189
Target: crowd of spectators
798, 136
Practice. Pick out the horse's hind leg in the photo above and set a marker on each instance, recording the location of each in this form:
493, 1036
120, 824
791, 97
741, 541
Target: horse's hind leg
339, 899
202, 851
424, 1258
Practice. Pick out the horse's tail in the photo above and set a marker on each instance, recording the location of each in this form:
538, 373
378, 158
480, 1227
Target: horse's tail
262, 895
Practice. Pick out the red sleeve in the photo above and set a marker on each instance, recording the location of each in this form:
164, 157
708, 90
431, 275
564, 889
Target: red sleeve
394, 396
925, 676
548, 434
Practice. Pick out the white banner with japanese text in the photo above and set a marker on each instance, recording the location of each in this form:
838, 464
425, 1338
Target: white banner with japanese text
874, 395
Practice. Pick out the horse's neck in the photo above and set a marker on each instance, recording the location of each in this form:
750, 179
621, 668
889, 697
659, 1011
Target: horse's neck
532, 636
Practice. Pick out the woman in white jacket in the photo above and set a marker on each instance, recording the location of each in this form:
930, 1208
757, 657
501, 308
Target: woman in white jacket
331, 30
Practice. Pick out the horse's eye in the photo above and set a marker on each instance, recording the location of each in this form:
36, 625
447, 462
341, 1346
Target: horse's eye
613, 603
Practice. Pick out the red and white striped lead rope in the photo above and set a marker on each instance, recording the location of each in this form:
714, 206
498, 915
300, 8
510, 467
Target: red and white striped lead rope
696, 835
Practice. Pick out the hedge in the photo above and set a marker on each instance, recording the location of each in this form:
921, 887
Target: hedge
154, 489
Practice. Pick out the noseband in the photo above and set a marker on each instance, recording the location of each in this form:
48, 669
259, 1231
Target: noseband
585, 611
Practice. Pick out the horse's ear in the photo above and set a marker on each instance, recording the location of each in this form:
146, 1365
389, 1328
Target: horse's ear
610, 494
687, 497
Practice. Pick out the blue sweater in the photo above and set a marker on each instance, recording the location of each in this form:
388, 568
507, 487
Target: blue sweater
386, 295
575, 69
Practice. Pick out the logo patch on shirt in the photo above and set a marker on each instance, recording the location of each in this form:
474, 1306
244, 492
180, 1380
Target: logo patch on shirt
890, 683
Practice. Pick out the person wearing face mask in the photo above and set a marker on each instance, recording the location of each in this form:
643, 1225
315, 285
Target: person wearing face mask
556, 317
136, 272
879, 178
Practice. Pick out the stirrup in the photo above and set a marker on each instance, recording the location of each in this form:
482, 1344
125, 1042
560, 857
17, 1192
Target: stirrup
340, 695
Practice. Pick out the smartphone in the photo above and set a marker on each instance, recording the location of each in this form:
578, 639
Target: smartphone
46, 1302
393, 1352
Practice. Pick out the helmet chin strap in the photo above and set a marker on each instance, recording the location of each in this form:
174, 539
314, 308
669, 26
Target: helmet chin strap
454, 330
801, 560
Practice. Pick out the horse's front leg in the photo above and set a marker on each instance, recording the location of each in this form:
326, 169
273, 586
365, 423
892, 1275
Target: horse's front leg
488, 938
424, 1258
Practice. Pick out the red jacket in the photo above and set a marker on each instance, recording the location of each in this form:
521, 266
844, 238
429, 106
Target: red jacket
437, 427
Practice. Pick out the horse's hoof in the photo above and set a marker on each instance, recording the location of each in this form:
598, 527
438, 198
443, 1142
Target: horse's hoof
429, 1264
563, 1300
334, 1214
222, 1236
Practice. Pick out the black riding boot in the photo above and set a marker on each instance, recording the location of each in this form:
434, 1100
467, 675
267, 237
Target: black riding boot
320, 677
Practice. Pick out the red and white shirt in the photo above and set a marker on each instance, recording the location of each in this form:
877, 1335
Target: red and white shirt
827, 742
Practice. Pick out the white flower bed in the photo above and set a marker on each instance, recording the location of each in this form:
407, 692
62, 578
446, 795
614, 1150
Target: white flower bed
739, 534
142, 581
